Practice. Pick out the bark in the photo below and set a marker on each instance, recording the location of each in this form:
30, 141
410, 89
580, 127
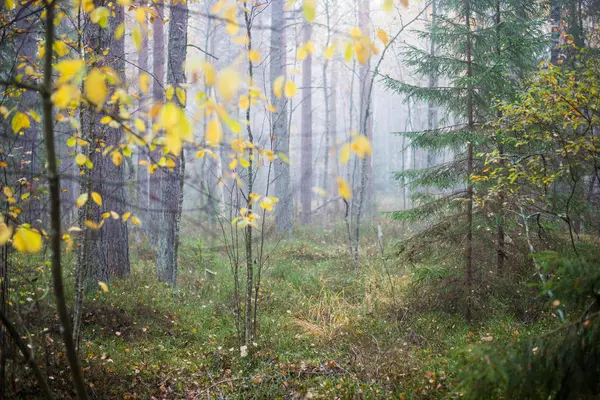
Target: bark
366, 204
171, 183
470, 127
55, 210
500, 242
306, 159
248, 327
326, 97
281, 142
158, 72
432, 112
142, 176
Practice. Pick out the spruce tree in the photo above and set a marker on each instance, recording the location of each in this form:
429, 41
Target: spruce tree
482, 49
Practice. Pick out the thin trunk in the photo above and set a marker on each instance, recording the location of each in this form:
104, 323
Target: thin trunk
170, 187
500, 245
555, 6
432, 112
326, 95
142, 175
54, 189
277, 68
470, 127
248, 328
158, 71
306, 159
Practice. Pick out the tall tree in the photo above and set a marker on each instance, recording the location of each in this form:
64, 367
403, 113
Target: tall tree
158, 96
171, 187
281, 143
476, 74
306, 158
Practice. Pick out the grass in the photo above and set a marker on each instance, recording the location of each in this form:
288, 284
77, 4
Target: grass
326, 331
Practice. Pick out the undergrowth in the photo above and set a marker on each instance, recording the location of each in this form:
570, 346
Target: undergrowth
325, 330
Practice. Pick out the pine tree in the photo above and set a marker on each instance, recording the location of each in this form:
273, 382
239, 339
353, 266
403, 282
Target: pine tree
482, 50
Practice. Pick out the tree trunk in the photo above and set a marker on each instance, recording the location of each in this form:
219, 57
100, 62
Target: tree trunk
306, 159
277, 67
170, 187
142, 176
153, 201
470, 127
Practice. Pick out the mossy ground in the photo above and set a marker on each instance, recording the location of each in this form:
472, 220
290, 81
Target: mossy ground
326, 330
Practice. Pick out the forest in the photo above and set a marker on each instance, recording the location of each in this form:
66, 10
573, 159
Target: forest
300, 199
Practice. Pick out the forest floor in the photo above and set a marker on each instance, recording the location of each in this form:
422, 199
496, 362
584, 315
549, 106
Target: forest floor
326, 330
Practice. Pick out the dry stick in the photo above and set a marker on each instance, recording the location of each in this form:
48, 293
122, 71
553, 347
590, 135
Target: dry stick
249, 266
54, 185
12, 331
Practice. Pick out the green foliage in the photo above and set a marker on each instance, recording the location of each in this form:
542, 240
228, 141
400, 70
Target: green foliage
559, 364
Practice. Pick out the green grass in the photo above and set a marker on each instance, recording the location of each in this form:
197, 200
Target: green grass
326, 331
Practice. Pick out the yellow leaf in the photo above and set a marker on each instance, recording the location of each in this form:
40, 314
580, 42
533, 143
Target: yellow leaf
329, 52
309, 7
214, 132
119, 31
180, 92
7, 191
139, 125
144, 82
283, 158
230, 15
278, 86
65, 95
103, 286
383, 36
343, 189
345, 153
362, 146
217, 6
136, 221
137, 38
27, 240
290, 89
9, 4
140, 15
96, 90
5, 233
19, 122
254, 56
233, 163
97, 198
170, 92
126, 216
100, 16
268, 202
348, 52
70, 70
388, 5
80, 159
302, 53
82, 199
117, 158
244, 102
228, 83
209, 73
93, 225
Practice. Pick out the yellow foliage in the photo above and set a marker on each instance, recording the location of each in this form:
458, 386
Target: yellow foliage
27, 240
96, 90
343, 189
